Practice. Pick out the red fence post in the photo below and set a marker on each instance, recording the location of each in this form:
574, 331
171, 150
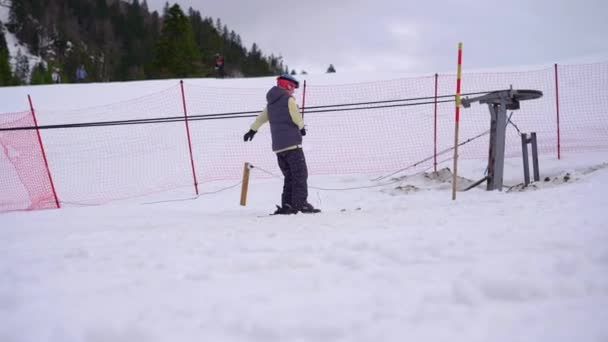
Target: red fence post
181, 83
559, 147
435, 127
46, 164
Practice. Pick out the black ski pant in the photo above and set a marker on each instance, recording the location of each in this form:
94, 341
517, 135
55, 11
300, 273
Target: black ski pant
294, 169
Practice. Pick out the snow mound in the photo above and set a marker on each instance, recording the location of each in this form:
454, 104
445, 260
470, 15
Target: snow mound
442, 180
436, 180
564, 177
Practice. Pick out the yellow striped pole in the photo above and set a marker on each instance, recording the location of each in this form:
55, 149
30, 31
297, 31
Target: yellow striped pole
455, 174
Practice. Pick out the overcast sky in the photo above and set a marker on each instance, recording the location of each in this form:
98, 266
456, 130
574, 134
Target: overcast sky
413, 36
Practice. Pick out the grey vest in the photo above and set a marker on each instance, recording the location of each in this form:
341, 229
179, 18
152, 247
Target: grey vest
284, 131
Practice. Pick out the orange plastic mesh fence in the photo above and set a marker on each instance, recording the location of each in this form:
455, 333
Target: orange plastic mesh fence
24, 180
92, 165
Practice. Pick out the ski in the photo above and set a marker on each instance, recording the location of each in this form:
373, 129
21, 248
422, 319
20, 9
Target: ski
343, 210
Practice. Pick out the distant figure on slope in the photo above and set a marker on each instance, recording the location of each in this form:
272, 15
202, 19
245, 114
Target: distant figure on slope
287, 129
219, 65
81, 73
55, 76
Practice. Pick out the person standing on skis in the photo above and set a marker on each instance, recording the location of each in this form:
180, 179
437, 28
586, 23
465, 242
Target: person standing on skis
287, 129
219, 65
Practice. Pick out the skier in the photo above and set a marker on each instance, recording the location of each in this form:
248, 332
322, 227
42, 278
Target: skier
287, 129
219, 65
81, 73
55, 76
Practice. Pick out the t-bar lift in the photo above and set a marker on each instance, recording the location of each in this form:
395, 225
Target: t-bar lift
499, 102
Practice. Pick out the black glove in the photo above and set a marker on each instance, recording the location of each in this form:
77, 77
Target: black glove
303, 131
249, 135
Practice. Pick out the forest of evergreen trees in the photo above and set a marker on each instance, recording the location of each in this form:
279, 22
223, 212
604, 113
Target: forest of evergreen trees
119, 40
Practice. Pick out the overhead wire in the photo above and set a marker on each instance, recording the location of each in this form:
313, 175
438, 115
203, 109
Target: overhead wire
246, 114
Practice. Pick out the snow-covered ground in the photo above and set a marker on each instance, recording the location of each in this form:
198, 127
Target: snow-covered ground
395, 260
380, 264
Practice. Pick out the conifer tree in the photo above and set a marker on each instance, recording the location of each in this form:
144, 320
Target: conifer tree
41, 75
207, 39
22, 68
177, 52
6, 77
